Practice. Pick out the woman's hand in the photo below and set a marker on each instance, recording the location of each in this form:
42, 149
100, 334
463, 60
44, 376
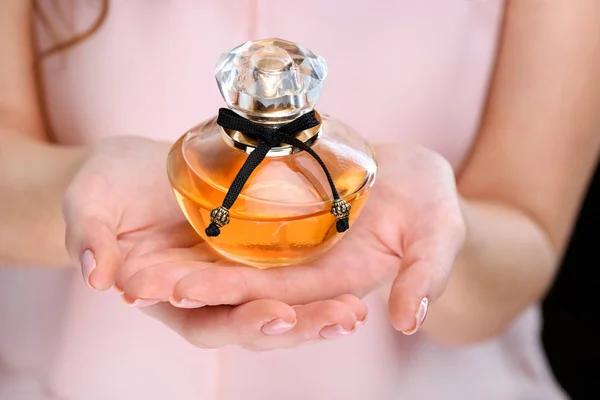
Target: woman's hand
261, 325
409, 233
120, 209
120, 206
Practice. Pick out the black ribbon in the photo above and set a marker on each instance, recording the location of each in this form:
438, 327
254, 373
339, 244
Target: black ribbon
267, 139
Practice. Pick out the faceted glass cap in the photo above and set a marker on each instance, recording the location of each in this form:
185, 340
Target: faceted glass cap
271, 78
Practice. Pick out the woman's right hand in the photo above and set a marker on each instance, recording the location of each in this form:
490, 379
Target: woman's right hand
120, 208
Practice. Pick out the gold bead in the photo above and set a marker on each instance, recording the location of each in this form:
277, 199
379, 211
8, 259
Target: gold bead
340, 208
219, 216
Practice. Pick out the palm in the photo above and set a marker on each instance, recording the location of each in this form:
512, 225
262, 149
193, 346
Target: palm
120, 206
123, 190
411, 216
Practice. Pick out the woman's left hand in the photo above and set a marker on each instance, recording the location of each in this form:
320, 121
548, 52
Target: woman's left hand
409, 233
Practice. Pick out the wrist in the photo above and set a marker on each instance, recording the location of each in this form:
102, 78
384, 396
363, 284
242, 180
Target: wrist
36, 175
66, 161
505, 265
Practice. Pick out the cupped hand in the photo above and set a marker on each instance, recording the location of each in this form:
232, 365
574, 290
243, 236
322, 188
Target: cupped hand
409, 234
120, 206
120, 210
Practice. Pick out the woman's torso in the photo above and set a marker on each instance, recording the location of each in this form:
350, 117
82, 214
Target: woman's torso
399, 70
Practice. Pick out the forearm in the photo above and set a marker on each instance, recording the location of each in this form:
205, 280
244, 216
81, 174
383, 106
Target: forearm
33, 172
506, 265
33, 178
524, 181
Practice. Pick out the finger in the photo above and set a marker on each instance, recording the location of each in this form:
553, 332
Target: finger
154, 284
356, 305
146, 269
261, 324
215, 327
317, 321
92, 242
424, 274
326, 278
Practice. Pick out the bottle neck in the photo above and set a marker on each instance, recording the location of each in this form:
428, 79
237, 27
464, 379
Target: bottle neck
271, 119
246, 143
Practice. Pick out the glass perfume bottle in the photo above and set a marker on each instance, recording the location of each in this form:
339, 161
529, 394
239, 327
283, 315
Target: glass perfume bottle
309, 176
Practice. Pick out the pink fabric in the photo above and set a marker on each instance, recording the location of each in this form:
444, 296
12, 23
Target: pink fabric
416, 70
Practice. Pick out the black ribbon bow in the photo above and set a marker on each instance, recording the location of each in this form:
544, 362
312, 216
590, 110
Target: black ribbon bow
269, 138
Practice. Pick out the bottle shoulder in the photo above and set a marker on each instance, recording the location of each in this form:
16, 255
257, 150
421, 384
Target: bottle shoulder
296, 178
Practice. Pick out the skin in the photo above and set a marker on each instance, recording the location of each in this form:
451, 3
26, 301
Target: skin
34, 173
481, 244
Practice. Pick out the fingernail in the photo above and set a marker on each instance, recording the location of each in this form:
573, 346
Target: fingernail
362, 321
186, 303
334, 332
118, 289
419, 316
144, 303
140, 302
277, 326
88, 264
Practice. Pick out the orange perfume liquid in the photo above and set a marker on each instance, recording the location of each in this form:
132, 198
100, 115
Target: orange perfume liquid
282, 216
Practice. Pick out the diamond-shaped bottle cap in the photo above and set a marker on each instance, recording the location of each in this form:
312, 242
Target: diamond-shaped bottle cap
271, 78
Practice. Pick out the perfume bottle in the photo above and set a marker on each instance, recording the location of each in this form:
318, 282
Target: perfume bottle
269, 181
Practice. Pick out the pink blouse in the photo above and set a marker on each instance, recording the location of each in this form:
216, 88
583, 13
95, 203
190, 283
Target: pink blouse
418, 71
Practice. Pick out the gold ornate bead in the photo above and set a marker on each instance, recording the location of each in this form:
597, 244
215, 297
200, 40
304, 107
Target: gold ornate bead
340, 208
219, 216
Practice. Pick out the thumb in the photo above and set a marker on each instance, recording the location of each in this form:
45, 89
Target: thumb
422, 279
91, 240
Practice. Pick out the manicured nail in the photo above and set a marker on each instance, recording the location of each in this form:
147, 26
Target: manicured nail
277, 326
138, 302
362, 321
88, 264
334, 332
186, 303
142, 303
419, 316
